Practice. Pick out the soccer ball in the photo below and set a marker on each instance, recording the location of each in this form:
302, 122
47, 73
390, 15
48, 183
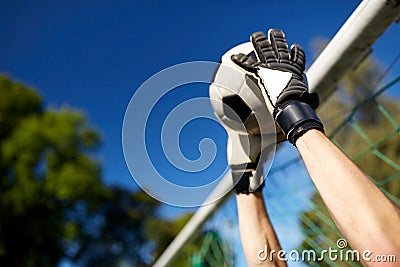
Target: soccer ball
236, 99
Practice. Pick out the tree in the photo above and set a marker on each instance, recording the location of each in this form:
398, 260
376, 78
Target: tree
356, 86
163, 237
206, 247
53, 205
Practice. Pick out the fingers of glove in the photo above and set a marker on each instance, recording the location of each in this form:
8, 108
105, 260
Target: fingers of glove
243, 150
256, 183
263, 48
245, 62
279, 45
298, 57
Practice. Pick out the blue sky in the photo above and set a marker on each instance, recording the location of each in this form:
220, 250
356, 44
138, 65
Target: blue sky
93, 55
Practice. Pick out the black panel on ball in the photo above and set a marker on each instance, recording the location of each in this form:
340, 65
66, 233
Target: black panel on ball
236, 104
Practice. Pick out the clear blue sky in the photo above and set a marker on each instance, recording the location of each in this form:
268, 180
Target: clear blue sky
93, 55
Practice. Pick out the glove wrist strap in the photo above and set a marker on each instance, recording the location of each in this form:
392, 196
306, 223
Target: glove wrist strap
295, 118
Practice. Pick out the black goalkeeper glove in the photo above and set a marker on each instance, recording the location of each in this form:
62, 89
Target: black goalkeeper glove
280, 74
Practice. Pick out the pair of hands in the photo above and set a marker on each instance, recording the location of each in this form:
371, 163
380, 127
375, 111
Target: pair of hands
279, 73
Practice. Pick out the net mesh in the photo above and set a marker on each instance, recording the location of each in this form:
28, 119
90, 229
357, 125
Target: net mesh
369, 134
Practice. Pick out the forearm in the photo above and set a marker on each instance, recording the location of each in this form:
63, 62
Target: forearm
368, 220
256, 231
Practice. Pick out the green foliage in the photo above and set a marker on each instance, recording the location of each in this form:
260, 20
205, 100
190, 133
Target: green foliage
53, 205
163, 234
46, 152
16, 102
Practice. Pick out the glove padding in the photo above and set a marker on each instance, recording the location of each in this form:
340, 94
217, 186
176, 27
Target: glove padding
246, 155
280, 74
279, 71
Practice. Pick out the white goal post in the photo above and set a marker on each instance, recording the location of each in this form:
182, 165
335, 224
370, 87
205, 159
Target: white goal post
359, 32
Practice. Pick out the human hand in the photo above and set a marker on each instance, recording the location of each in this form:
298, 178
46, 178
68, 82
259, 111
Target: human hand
246, 155
280, 75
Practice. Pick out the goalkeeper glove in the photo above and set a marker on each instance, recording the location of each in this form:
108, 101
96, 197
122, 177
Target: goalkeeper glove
246, 155
280, 75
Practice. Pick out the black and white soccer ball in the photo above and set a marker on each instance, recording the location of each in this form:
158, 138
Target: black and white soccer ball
236, 99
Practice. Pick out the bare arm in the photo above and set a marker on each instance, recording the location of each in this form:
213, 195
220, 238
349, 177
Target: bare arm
362, 212
256, 231
368, 219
